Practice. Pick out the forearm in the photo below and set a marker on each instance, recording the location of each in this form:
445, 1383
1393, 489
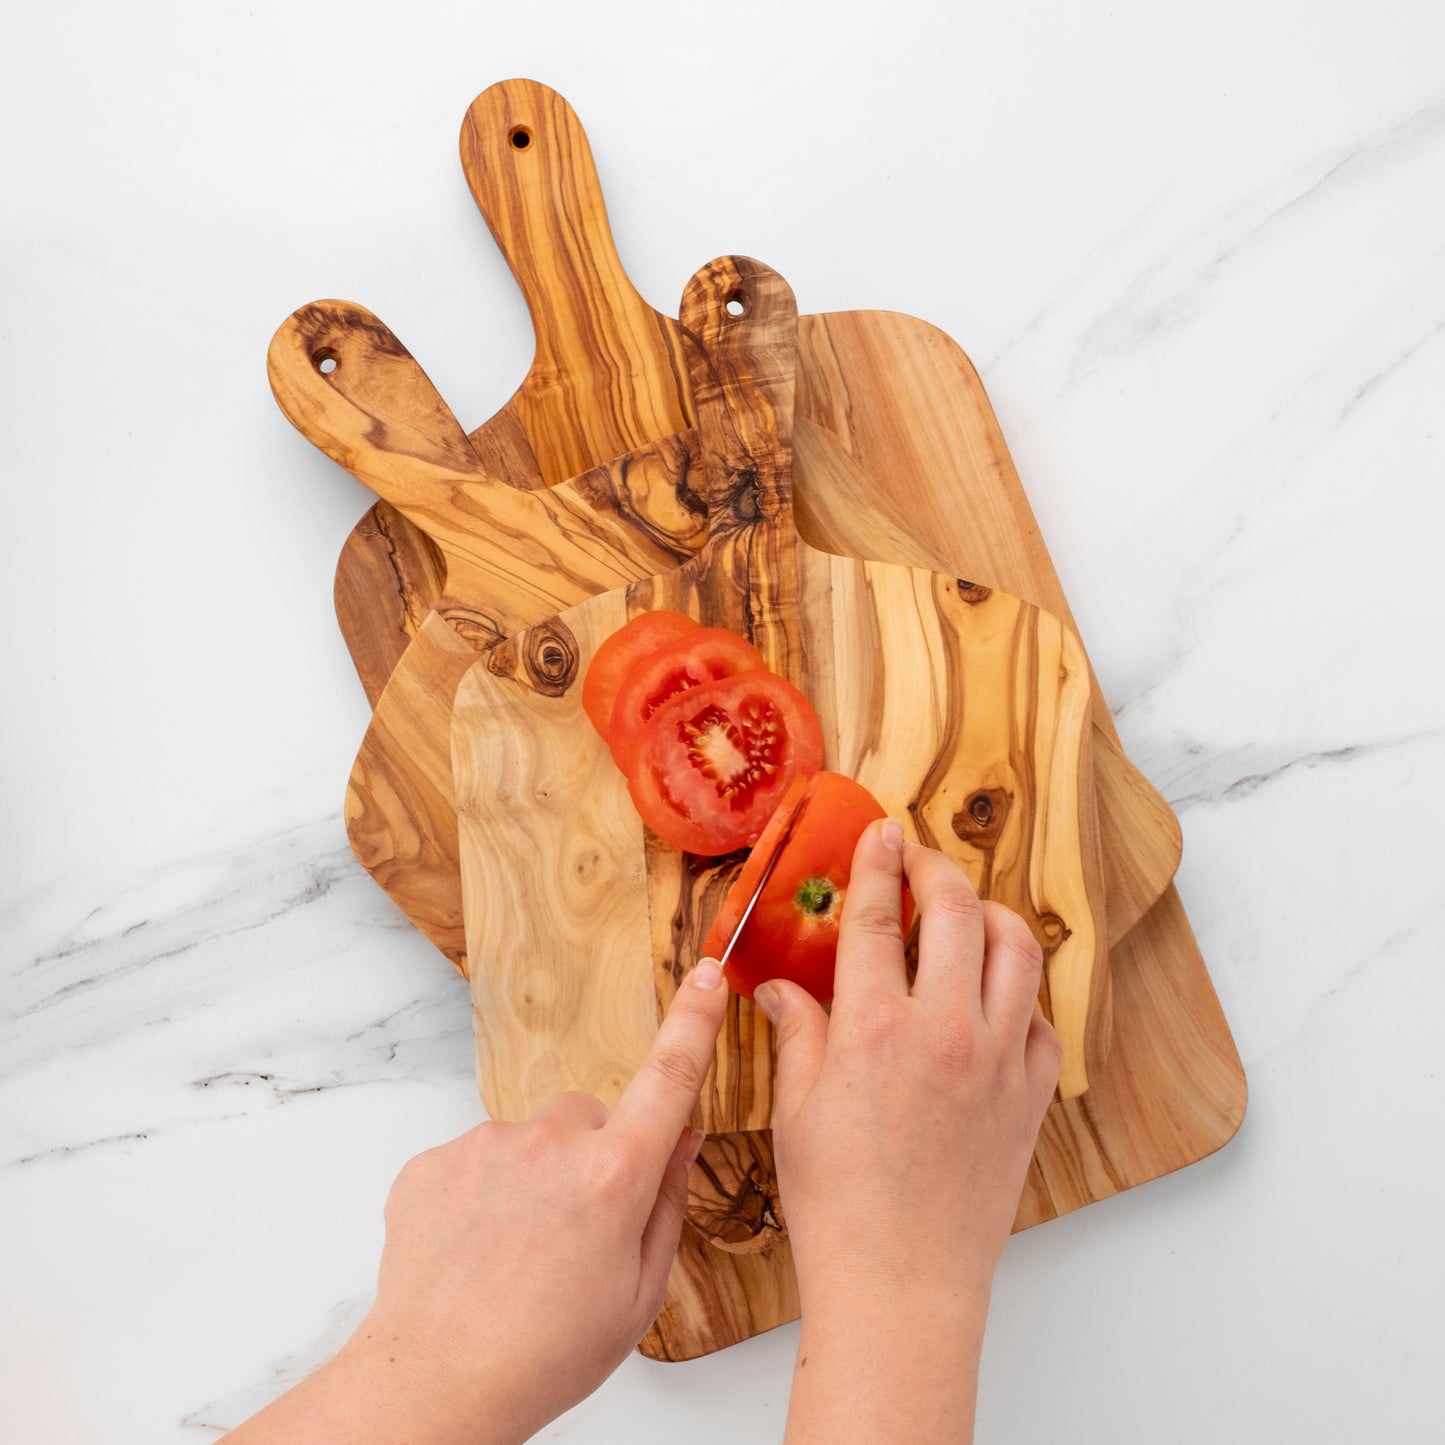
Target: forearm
869, 1373
367, 1396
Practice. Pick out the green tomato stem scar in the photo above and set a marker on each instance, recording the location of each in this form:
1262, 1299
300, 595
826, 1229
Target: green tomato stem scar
814, 896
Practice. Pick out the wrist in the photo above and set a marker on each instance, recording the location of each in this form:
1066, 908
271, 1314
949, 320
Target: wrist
402, 1393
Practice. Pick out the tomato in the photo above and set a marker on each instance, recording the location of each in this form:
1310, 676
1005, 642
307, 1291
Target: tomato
617, 656
689, 660
714, 760
793, 931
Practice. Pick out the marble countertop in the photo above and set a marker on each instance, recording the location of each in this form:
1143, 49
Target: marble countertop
1198, 256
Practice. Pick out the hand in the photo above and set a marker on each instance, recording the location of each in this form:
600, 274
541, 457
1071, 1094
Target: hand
522, 1261
903, 1129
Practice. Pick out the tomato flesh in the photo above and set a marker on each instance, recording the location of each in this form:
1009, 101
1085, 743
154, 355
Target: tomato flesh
713, 761
620, 653
792, 933
686, 662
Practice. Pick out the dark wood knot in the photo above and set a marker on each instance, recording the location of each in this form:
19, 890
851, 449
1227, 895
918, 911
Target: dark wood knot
732, 1194
1051, 932
550, 658
972, 592
982, 817
479, 631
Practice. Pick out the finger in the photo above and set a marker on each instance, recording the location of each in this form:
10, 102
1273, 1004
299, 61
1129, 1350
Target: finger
1012, 965
870, 931
582, 1110
1042, 1054
950, 931
661, 1097
664, 1225
802, 1027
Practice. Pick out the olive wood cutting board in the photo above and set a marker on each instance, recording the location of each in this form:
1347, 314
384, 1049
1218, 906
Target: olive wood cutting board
907, 408
606, 379
940, 697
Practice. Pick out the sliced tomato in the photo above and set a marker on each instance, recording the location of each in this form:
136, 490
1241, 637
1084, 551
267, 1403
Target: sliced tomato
644, 635
689, 660
793, 931
714, 760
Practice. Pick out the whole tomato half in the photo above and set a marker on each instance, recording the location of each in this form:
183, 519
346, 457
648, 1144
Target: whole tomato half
620, 653
712, 762
793, 931
687, 661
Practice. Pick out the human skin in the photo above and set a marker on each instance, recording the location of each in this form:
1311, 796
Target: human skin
479, 1333
902, 1129
935, 1091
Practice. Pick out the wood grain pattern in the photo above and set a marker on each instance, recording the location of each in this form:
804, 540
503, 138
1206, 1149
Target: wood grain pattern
925, 736
842, 509
354, 391
606, 377
373, 408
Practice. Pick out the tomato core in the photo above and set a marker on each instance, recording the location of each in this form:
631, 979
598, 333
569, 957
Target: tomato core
733, 753
815, 897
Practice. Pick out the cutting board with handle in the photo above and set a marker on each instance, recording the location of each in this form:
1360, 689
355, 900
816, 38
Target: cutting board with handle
606, 378
964, 712
902, 401
607, 368
511, 557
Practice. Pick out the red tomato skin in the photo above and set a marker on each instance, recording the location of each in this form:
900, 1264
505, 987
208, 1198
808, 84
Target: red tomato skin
680, 802
639, 638
781, 940
689, 661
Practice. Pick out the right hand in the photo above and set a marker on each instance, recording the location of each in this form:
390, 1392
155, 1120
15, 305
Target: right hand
903, 1126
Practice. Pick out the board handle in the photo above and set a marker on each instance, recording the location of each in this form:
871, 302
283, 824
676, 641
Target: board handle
607, 376
355, 392
739, 321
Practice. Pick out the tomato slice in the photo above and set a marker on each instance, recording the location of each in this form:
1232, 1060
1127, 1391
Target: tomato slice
793, 931
714, 760
629, 645
688, 661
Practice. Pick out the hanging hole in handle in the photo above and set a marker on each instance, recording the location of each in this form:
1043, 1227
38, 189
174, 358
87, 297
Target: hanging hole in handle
736, 304
325, 361
520, 137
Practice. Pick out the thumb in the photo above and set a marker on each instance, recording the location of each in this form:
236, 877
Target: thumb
802, 1028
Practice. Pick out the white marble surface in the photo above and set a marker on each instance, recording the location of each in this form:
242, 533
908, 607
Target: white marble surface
1198, 254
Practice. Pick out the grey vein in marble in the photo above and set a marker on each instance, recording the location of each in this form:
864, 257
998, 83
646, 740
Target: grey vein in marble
1228, 775
246, 962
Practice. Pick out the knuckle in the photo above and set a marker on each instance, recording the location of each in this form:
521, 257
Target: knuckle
678, 1068
953, 1048
956, 902
616, 1167
873, 1024
873, 919
1018, 945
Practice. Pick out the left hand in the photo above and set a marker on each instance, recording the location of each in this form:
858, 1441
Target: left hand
524, 1261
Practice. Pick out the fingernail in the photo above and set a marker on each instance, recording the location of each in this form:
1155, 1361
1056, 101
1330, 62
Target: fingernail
892, 831
693, 1147
707, 974
766, 998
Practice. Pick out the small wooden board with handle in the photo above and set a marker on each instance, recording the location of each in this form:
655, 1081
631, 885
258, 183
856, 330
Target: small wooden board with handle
947, 701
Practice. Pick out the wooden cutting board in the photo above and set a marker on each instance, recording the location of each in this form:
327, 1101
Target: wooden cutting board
946, 701
606, 370
907, 405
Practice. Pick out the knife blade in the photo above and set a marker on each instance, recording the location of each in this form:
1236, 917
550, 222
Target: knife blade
783, 839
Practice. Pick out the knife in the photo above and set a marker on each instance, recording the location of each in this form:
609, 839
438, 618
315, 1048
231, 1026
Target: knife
783, 839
